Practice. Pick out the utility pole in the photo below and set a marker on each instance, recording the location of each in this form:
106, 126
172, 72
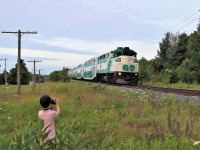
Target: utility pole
34, 61
19, 34
5, 70
39, 73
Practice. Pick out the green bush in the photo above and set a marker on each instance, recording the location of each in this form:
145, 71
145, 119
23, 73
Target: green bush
171, 76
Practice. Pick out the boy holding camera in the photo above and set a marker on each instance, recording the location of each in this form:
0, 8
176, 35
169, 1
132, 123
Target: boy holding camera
48, 115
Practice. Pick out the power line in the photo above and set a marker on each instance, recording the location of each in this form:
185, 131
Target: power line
19, 34
173, 27
187, 24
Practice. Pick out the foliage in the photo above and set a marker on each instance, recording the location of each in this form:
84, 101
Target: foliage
194, 53
171, 76
177, 59
59, 75
145, 69
2, 79
54, 76
25, 75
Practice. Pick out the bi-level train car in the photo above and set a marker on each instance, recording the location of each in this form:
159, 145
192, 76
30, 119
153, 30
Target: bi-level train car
117, 66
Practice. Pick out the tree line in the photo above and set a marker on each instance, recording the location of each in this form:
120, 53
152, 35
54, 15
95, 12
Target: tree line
26, 76
177, 60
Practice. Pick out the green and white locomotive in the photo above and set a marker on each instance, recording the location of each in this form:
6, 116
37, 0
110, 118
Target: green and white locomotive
118, 66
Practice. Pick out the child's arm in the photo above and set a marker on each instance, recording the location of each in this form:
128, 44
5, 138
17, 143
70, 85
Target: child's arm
57, 107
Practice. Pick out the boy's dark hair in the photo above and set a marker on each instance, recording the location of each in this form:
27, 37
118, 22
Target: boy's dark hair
45, 101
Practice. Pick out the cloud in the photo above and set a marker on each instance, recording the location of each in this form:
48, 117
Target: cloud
50, 58
97, 48
80, 51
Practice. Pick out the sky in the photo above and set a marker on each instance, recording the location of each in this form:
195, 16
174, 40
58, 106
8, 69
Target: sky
70, 32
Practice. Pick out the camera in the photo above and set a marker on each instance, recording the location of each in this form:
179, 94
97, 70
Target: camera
53, 101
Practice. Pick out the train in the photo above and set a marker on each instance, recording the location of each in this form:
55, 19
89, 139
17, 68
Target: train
117, 66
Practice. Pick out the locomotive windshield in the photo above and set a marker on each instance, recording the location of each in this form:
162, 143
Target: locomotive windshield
124, 52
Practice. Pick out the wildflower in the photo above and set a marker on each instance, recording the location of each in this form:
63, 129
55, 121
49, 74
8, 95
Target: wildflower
8, 118
196, 143
5, 102
1, 108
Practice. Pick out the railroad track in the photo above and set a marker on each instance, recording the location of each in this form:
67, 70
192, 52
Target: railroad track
157, 89
162, 89
173, 90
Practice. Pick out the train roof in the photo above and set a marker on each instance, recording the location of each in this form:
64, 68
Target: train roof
121, 49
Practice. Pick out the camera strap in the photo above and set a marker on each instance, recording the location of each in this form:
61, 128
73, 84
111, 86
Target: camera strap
45, 108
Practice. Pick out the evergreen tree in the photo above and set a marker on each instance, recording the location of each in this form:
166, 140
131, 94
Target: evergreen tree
162, 59
25, 75
178, 52
2, 79
194, 53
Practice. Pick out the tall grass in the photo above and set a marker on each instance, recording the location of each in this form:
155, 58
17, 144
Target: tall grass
96, 117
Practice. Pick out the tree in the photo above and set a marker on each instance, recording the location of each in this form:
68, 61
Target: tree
179, 53
54, 76
145, 69
2, 79
165, 46
25, 74
194, 53
161, 61
59, 75
64, 74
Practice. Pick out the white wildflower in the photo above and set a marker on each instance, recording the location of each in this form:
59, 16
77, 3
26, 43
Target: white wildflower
196, 143
1, 108
8, 118
5, 102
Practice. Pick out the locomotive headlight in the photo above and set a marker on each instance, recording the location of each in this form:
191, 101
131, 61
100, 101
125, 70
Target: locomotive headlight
136, 74
135, 61
119, 73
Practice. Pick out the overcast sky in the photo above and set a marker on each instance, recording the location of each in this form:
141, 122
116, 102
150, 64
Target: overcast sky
72, 31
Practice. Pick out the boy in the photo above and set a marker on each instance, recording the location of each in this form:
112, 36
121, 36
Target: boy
48, 115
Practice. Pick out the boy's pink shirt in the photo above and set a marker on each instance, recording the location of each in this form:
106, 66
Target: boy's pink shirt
48, 117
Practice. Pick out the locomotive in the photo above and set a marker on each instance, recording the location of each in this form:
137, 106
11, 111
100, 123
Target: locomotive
118, 66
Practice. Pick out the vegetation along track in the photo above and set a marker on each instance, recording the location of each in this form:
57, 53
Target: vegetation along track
173, 90
166, 90
156, 89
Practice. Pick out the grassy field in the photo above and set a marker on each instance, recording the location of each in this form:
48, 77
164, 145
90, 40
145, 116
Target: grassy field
96, 117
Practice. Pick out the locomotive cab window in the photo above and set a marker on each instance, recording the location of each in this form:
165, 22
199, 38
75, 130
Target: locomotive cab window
117, 54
